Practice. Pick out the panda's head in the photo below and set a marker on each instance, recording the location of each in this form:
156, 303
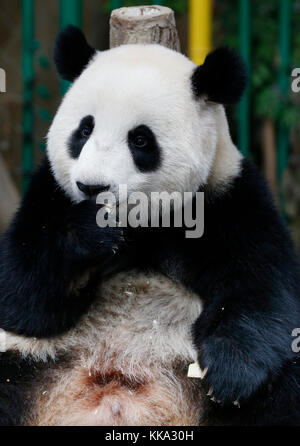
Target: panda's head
144, 116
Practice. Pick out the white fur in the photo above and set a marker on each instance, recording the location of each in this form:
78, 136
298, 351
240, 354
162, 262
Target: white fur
153, 307
139, 329
133, 85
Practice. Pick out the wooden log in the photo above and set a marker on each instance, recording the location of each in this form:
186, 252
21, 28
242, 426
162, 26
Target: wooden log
144, 24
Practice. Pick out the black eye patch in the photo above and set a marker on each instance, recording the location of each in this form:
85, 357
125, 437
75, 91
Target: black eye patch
81, 135
144, 148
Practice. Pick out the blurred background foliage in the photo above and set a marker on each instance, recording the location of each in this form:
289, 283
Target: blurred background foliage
267, 100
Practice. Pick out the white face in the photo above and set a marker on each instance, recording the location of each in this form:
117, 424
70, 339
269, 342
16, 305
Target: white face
140, 125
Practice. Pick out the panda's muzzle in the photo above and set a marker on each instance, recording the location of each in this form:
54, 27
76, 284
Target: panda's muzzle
91, 190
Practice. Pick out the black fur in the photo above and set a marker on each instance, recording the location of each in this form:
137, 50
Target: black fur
276, 403
81, 135
49, 245
144, 148
72, 53
17, 374
222, 78
244, 269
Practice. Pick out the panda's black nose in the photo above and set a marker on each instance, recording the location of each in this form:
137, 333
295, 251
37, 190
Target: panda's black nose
91, 190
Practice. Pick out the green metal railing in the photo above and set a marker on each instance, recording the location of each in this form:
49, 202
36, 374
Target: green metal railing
115, 4
284, 85
70, 13
244, 106
284, 45
28, 47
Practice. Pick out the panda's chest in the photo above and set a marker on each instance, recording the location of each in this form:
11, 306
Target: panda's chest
128, 359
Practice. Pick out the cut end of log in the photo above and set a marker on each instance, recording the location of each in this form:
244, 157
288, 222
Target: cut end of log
143, 12
144, 24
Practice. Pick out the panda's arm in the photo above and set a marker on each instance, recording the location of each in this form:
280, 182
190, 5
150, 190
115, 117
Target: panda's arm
10, 404
245, 270
50, 244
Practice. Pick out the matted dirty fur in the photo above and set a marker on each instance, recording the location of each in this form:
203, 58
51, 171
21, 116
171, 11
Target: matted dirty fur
125, 363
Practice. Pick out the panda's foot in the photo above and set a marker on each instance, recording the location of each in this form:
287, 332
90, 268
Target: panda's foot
231, 376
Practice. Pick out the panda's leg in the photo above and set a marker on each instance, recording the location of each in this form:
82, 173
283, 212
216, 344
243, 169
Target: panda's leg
49, 245
276, 404
11, 408
16, 375
251, 290
246, 273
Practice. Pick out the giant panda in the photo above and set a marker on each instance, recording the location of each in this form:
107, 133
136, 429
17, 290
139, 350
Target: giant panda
100, 324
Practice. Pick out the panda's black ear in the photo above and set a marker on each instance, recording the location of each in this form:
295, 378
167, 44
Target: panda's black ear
72, 53
222, 78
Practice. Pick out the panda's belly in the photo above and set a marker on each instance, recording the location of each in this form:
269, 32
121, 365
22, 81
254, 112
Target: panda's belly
127, 359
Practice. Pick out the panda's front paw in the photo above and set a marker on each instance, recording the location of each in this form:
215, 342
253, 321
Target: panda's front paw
90, 241
229, 374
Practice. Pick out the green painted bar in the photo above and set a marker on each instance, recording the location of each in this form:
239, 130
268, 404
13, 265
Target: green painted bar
115, 4
244, 106
283, 76
158, 2
283, 83
28, 90
70, 13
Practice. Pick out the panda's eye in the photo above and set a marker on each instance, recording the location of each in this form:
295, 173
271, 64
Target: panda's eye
86, 132
144, 148
80, 135
140, 141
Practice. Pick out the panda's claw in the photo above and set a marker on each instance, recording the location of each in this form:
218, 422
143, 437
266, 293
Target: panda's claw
204, 372
210, 392
212, 398
229, 373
